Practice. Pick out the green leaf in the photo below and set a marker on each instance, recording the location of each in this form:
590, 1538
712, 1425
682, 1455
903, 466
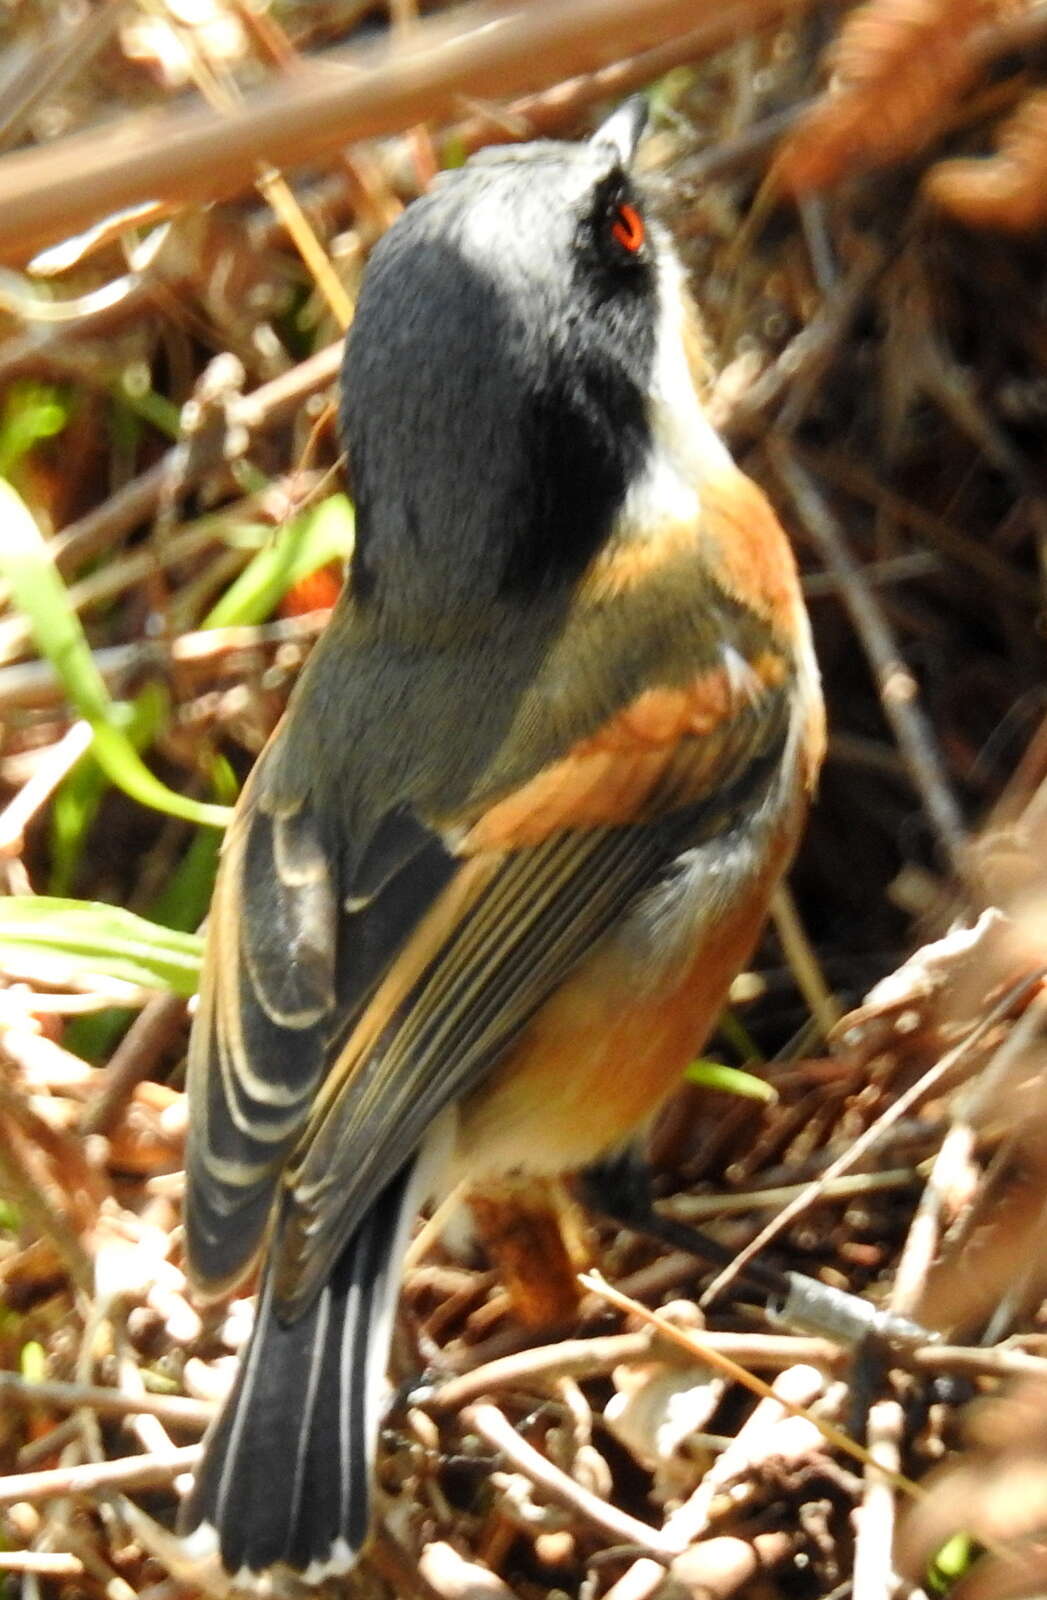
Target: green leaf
79, 796
136, 391
730, 1080
308, 542
32, 1361
40, 593
187, 894
61, 940
453, 152
95, 1035
31, 412
73, 808
668, 93
953, 1561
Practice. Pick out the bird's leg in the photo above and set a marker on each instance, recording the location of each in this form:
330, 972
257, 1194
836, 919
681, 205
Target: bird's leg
619, 1187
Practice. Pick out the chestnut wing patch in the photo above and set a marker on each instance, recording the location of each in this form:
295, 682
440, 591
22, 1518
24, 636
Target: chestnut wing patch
337, 1020
658, 752
509, 928
523, 908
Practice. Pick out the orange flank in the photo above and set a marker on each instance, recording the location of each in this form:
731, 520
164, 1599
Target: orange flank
613, 775
738, 541
607, 1050
747, 552
628, 563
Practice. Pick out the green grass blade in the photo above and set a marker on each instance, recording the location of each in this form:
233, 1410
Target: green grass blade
31, 412
308, 542
730, 1080
61, 940
78, 799
40, 593
186, 896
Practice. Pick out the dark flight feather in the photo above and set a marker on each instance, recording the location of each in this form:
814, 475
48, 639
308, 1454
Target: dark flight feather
286, 1475
531, 920
421, 1010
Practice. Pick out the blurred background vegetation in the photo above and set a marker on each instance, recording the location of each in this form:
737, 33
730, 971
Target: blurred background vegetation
188, 193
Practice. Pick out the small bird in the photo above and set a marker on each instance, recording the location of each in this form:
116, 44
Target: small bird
488, 883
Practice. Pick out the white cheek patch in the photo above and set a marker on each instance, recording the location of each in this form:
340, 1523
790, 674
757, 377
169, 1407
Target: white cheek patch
678, 416
660, 495
685, 447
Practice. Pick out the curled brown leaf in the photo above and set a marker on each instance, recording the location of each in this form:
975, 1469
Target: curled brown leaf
898, 68
1007, 190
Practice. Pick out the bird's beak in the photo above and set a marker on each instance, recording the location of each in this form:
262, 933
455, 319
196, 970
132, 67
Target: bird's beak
624, 129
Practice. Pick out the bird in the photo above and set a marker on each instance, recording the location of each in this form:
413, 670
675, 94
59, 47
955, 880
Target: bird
487, 885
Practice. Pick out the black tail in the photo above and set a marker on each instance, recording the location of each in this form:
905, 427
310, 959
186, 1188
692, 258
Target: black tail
285, 1477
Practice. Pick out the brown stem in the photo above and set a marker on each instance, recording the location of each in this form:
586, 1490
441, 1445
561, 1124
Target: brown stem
95, 1477
196, 156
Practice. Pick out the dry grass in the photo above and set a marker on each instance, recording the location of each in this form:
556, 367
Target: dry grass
879, 365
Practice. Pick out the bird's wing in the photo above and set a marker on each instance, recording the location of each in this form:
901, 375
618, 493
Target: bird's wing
537, 886
337, 1021
286, 961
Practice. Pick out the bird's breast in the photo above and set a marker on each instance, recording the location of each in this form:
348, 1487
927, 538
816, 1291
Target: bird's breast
611, 1044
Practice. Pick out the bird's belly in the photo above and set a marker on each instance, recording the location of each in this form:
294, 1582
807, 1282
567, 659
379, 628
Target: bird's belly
610, 1045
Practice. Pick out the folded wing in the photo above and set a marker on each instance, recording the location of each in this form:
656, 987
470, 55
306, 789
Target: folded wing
341, 1014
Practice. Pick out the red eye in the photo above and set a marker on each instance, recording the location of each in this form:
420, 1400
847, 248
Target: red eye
627, 227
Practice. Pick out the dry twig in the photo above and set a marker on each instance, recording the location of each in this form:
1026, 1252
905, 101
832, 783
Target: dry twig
491, 1425
196, 156
898, 688
99, 1477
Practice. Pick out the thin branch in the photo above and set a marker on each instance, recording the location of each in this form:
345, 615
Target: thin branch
934, 1078
897, 686
701, 1207
202, 654
20, 1186
33, 795
455, 1579
694, 1341
922, 1240
265, 407
171, 1408
43, 1563
196, 156
586, 1358
873, 1575
100, 1477
754, 1443
532, 116
490, 1424
52, 64
825, 1009
134, 1060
